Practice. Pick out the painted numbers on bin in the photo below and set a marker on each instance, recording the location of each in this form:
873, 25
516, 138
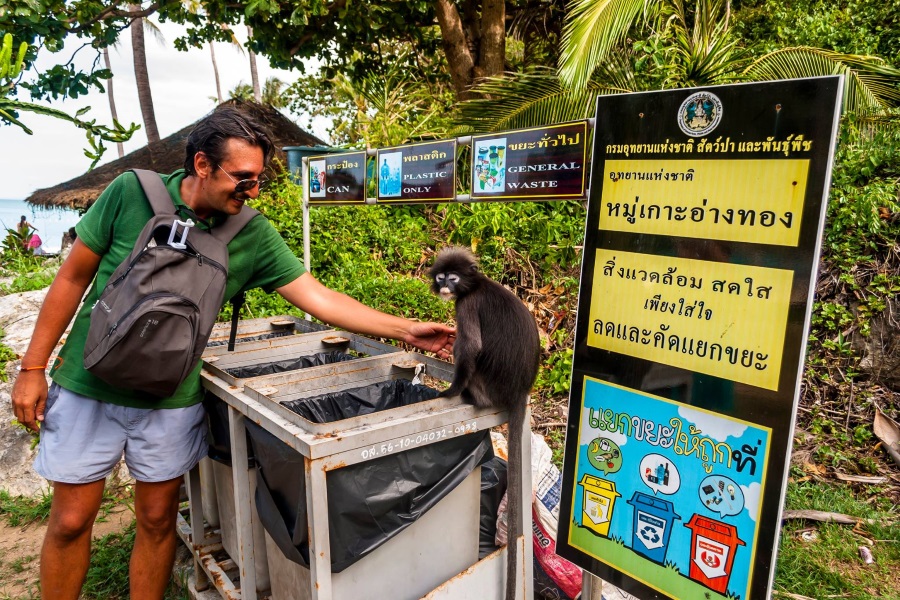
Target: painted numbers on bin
419, 439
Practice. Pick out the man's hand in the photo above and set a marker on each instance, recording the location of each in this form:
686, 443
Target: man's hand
432, 337
29, 395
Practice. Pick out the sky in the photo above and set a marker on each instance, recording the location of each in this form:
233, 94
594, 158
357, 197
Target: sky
183, 84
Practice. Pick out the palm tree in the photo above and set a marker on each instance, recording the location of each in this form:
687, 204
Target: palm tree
678, 47
272, 93
254, 75
212, 53
112, 99
142, 78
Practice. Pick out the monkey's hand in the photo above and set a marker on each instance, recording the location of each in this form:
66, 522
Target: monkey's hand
431, 337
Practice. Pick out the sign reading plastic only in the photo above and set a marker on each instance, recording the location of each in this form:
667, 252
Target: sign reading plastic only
545, 162
703, 231
337, 178
418, 172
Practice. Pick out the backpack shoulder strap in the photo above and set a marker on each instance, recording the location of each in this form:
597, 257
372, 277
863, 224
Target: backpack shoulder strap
233, 224
156, 192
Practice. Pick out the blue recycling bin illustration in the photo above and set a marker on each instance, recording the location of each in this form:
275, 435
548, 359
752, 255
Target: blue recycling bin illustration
653, 520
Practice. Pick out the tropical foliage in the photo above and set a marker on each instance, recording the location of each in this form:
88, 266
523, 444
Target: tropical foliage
610, 46
12, 61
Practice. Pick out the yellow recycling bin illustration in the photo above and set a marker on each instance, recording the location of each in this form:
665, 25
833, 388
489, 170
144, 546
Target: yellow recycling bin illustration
597, 502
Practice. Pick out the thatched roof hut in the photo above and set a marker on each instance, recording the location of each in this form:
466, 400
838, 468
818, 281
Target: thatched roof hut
165, 156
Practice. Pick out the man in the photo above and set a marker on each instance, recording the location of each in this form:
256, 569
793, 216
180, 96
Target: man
87, 424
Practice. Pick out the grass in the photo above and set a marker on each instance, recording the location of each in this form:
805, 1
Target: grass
107, 578
825, 562
29, 282
18, 511
7, 355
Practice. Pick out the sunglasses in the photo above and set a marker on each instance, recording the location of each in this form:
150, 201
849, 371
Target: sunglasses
245, 185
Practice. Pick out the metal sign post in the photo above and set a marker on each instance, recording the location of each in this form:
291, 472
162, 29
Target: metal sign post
702, 240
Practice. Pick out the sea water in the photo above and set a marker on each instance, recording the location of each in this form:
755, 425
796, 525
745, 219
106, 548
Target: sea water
50, 223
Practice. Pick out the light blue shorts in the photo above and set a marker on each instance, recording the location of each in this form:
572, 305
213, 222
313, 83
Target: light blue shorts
82, 439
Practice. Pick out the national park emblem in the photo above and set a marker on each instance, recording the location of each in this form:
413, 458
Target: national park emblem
699, 114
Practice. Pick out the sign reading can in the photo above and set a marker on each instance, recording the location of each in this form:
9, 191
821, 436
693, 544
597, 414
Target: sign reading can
417, 172
544, 162
337, 178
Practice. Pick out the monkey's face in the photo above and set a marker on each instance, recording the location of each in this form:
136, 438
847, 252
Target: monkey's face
445, 285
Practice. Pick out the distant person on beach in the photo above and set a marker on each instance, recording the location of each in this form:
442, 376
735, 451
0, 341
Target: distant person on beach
35, 244
68, 238
66, 243
24, 228
87, 424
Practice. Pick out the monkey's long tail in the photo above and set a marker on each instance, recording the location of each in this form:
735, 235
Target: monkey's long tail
514, 498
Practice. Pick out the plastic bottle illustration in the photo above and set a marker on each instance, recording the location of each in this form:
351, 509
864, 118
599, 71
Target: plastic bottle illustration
385, 177
314, 184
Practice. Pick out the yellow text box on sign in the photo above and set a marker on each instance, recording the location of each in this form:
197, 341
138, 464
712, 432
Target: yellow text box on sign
755, 201
720, 319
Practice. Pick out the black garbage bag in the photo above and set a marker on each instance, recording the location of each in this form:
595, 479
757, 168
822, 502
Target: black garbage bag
218, 436
290, 364
493, 486
370, 502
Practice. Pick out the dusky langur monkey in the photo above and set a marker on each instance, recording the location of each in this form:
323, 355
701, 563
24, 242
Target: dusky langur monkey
496, 354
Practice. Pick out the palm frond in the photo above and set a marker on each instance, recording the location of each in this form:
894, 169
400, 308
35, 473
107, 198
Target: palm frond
593, 28
870, 84
527, 100
707, 55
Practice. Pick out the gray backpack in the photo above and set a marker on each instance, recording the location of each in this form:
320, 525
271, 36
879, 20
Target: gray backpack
154, 317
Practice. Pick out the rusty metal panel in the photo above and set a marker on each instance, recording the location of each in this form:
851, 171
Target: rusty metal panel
246, 560
264, 325
335, 377
266, 348
319, 540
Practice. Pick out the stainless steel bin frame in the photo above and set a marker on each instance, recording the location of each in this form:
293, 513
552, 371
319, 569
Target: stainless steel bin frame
330, 446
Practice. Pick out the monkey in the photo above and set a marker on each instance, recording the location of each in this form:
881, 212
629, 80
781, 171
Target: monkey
496, 356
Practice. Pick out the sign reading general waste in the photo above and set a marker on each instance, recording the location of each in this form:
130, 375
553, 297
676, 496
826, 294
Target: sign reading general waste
703, 229
544, 162
417, 172
337, 178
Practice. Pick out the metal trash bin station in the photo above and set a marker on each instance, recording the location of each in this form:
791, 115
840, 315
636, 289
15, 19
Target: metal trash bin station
434, 558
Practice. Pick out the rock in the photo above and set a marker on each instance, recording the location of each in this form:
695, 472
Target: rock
881, 349
16, 454
18, 313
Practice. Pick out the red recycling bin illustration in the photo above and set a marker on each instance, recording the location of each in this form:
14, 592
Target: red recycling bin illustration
713, 545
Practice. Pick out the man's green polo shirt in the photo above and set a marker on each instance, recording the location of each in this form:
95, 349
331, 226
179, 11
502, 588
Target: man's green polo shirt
258, 257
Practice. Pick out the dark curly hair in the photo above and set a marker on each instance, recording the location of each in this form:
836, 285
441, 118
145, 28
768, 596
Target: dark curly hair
210, 135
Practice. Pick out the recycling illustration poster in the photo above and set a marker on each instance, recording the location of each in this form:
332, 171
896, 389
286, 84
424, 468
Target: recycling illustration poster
704, 225
675, 485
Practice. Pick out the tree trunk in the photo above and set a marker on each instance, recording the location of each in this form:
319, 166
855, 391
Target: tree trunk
143, 78
254, 76
492, 51
459, 57
212, 53
112, 99
475, 48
